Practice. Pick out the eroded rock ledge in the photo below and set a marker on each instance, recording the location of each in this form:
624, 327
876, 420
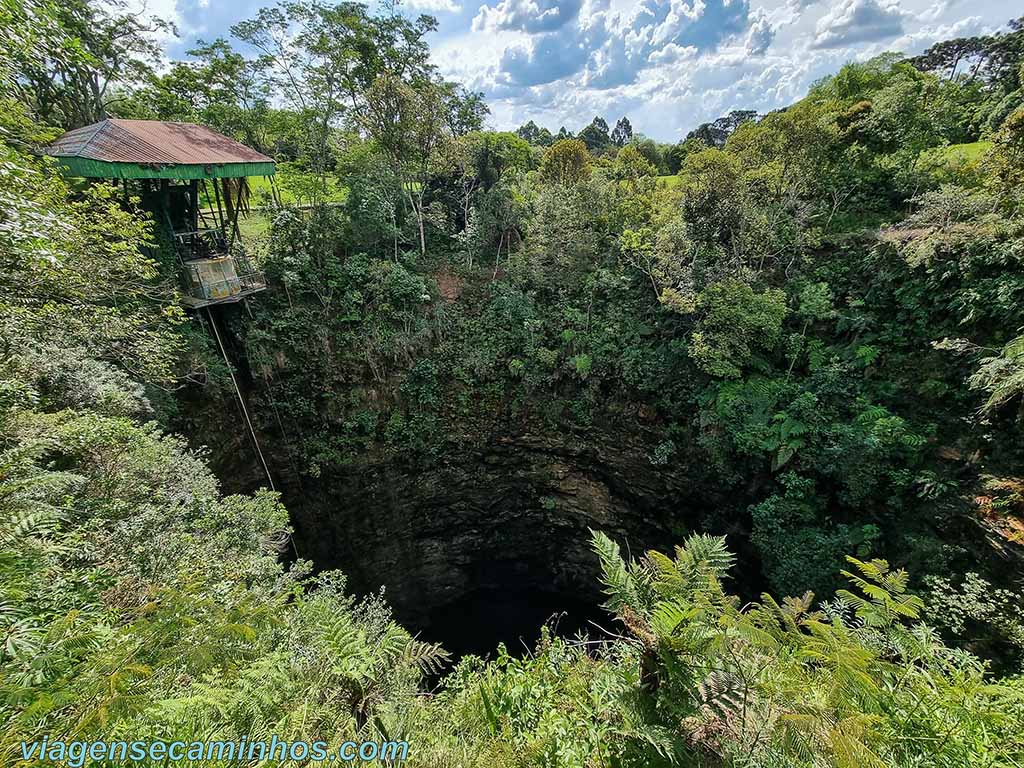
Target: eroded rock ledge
505, 521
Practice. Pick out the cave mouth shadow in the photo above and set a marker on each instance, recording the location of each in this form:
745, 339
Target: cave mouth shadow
476, 622
475, 556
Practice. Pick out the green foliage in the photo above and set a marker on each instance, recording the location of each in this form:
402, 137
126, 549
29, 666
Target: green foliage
1001, 376
735, 322
1008, 153
134, 597
775, 683
60, 254
630, 166
566, 163
221, 88
774, 332
66, 60
595, 136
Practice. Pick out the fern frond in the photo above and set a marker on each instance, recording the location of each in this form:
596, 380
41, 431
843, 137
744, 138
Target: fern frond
619, 584
430, 658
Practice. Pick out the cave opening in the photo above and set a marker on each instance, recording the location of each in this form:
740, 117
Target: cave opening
471, 591
479, 620
487, 547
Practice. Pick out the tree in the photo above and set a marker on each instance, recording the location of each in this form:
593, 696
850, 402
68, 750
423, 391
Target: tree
466, 110
409, 125
622, 133
675, 156
219, 88
712, 197
735, 322
1007, 158
994, 58
652, 152
76, 57
562, 237
482, 159
946, 56
322, 60
489, 155
540, 137
63, 255
566, 162
595, 135
715, 134
630, 165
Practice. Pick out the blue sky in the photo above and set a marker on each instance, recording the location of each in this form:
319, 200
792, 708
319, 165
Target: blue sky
668, 65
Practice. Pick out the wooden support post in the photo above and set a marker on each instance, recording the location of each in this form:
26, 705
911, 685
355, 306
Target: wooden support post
232, 212
219, 218
193, 196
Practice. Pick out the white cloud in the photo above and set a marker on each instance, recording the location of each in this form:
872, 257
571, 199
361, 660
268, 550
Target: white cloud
760, 35
917, 41
605, 49
666, 64
525, 15
434, 6
167, 10
858, 21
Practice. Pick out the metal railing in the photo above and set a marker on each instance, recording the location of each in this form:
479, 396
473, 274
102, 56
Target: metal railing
211, 272
201, 244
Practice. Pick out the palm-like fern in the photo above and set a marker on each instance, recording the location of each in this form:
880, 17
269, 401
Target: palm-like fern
885, 597
1001, 376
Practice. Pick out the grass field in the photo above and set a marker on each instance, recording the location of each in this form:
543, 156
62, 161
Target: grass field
966, 152
294, 188
956, 156
253, 225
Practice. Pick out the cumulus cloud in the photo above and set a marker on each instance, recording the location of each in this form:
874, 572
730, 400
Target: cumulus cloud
925, 37
675, 96
545, 59
858, 21
700, 23
667, 64
434, 6
760, 35
526, 15
201, 19
798, 6
609, 49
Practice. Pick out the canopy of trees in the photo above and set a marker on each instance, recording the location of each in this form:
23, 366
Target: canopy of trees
819, 317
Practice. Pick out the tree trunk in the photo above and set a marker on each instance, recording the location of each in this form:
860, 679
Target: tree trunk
423, 239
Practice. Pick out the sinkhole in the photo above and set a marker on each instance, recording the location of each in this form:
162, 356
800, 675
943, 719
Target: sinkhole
486, 547
478, 621
471, 588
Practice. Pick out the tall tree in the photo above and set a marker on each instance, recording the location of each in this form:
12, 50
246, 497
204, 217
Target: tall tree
566, 162
218, 87
465, 110
715, 133
409, 124
622, 133
540, 137
994, 58
595, 135
322, 60
80, 57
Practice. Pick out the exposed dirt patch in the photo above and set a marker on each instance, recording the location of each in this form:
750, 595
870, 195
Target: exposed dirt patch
449, 285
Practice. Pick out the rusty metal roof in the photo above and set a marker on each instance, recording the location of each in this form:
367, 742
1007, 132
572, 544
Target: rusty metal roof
151, 142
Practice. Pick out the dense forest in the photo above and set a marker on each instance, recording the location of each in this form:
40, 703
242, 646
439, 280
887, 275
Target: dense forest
742, 412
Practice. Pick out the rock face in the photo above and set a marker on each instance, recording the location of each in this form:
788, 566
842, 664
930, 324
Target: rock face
505, 523
489, 537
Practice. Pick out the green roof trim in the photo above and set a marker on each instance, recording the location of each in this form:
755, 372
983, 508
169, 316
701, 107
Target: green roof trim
100, 169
